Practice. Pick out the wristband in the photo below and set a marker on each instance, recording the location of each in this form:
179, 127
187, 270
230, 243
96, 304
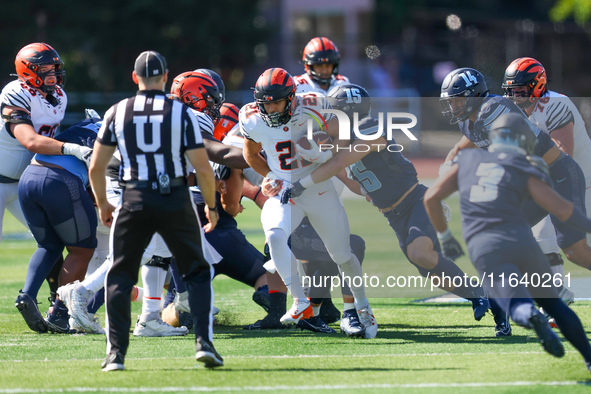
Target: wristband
257, 194
444, 236
307, 181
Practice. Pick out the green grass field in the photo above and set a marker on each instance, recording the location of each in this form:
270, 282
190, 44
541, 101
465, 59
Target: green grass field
420, 348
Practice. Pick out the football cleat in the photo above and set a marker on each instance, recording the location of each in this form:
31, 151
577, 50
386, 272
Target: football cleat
480, 306
351, 326
157, 328
267, 323
113, 362
207, 354
181, 302
547, 337
368, 321
185, 319
58, 324
96, 326
315, 324
301, 309
75, 296
502, 325
328, 312
27, 306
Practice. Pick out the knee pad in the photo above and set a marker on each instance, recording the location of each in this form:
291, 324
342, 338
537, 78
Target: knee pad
160, 262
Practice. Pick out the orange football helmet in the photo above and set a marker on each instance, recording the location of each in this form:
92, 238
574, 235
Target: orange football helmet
528, 72
321, 50
30, 58
228, 119
198, 91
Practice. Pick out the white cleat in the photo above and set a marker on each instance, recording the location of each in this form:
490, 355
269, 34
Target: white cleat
157, 328
301, 309
96, 329
368, 320
73, 296
181, 302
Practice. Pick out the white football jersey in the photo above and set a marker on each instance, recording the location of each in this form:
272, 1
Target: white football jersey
554, 111
14, 157
280, 143
304, 83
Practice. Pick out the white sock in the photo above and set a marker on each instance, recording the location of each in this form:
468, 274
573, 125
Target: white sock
352, 269
96, 280
153, 279
285, 262
348, 306
139, 294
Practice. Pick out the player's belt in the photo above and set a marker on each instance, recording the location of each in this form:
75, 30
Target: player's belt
150, 184
397, 203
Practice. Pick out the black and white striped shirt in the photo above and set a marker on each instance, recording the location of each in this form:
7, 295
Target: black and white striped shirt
152, 133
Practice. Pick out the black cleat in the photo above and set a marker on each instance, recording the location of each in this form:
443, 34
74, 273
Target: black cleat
480, 306
328, 312
185, 319
57, 324
267, 323
113, 362
261, 297
206, 354
547, 337
315, 324
27, 306
503, 326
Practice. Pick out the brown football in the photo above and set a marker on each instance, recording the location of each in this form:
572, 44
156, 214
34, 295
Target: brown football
320, 137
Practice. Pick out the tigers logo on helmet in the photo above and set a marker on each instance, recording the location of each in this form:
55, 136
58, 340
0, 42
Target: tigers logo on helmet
228, 119
528, 72
275, 84
321, 50
29, 60
198, 91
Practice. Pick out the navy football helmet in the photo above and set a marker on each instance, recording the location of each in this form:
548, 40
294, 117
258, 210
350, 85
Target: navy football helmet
350, 98
459, 92
512, 132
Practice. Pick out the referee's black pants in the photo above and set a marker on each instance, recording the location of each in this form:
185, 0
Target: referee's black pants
144, 212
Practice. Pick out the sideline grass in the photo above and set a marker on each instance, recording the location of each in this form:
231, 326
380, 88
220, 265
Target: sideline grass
421, 347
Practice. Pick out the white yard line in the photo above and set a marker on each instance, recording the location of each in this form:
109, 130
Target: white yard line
385, 386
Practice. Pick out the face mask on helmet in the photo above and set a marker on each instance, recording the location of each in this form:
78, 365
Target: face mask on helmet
32, 58
197, 90
525, 81
461, 93
321, 50
273, 86
221, 98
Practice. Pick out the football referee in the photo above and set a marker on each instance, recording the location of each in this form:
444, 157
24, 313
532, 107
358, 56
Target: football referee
155, 135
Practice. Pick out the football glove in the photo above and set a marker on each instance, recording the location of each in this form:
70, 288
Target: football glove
285, 196
83, 153
450, 246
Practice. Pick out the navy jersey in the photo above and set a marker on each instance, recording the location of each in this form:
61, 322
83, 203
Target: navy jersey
384, 175
493, 187
225, 220
492, 107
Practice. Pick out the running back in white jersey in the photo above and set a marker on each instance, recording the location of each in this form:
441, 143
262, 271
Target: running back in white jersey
304, 83
14, 157
554, 111
279, 143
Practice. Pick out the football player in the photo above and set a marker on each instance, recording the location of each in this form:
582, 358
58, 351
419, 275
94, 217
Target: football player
493, 185
464, 96
526, 83
275, 122
31, 107
321, 60
390, 181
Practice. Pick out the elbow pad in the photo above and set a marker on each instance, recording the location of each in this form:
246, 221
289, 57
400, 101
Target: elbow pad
17, 116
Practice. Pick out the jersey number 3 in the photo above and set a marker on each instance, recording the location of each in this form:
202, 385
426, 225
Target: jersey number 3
487, 188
